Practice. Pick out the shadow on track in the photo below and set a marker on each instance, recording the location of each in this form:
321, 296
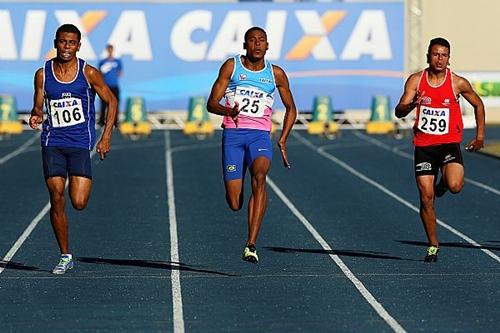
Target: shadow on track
454, 244
149, 264
20, 266
349, 253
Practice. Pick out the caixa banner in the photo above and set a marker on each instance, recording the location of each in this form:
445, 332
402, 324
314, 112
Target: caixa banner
170, 52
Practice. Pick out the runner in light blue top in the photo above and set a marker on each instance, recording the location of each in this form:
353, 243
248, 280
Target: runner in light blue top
248, 83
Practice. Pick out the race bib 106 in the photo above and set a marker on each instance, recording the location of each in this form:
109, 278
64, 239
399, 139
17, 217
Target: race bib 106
251, 101
66, 112
434, 120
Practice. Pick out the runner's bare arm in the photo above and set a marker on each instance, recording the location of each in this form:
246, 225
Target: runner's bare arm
97, 82
283, 86
218, 90
409, 99
36, 117
465, 89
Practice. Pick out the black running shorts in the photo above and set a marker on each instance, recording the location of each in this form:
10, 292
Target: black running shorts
429, 159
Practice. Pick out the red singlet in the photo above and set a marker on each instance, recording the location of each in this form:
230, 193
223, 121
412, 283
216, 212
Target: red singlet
439, 118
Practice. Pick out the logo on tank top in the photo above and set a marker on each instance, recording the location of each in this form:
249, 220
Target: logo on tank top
426, 100
66, 95
446, 102
242, 77
265, 80
434, 112
252, 93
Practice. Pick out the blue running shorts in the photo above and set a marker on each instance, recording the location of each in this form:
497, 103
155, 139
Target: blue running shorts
61, 162
240, 147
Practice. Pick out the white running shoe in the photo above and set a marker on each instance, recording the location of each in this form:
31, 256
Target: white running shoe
65, 263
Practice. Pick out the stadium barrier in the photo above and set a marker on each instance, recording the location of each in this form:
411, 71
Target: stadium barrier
9, 123
322, 114
381, 117
198, 121
136, 118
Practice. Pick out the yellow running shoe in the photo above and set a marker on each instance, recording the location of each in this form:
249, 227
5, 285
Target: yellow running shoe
432, 254
250, 254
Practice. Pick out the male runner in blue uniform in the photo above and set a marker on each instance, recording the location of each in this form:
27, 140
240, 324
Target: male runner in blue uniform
67, 86
248, 83
111, 69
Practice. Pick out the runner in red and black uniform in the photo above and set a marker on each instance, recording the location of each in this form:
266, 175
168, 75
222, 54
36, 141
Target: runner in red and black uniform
438, 128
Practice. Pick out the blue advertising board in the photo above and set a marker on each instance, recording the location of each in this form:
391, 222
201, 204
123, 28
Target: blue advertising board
170, 52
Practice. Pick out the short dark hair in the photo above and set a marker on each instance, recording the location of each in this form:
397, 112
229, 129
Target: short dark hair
438, 41
252, 29
70, 28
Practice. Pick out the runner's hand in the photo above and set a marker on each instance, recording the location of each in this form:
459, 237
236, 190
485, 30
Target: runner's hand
417, 100
35, 121
284, 154
103, 148
235, 111
475, 145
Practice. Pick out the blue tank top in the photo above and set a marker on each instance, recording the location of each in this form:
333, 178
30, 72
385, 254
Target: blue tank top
254, 93
70, 119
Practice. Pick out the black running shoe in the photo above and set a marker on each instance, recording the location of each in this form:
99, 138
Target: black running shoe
432, 254
250, 254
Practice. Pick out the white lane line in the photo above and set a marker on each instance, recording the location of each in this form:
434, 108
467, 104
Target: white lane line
410, 157
391, 194
29, 229
17, 245
347, 272
483, 186
174, 244
19, 150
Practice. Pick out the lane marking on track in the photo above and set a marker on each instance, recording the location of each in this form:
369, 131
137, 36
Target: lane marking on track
390, 193
29, 229
410, 157
19, 150
17, 245
246, 276
174, 244
347, 272
32, 225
